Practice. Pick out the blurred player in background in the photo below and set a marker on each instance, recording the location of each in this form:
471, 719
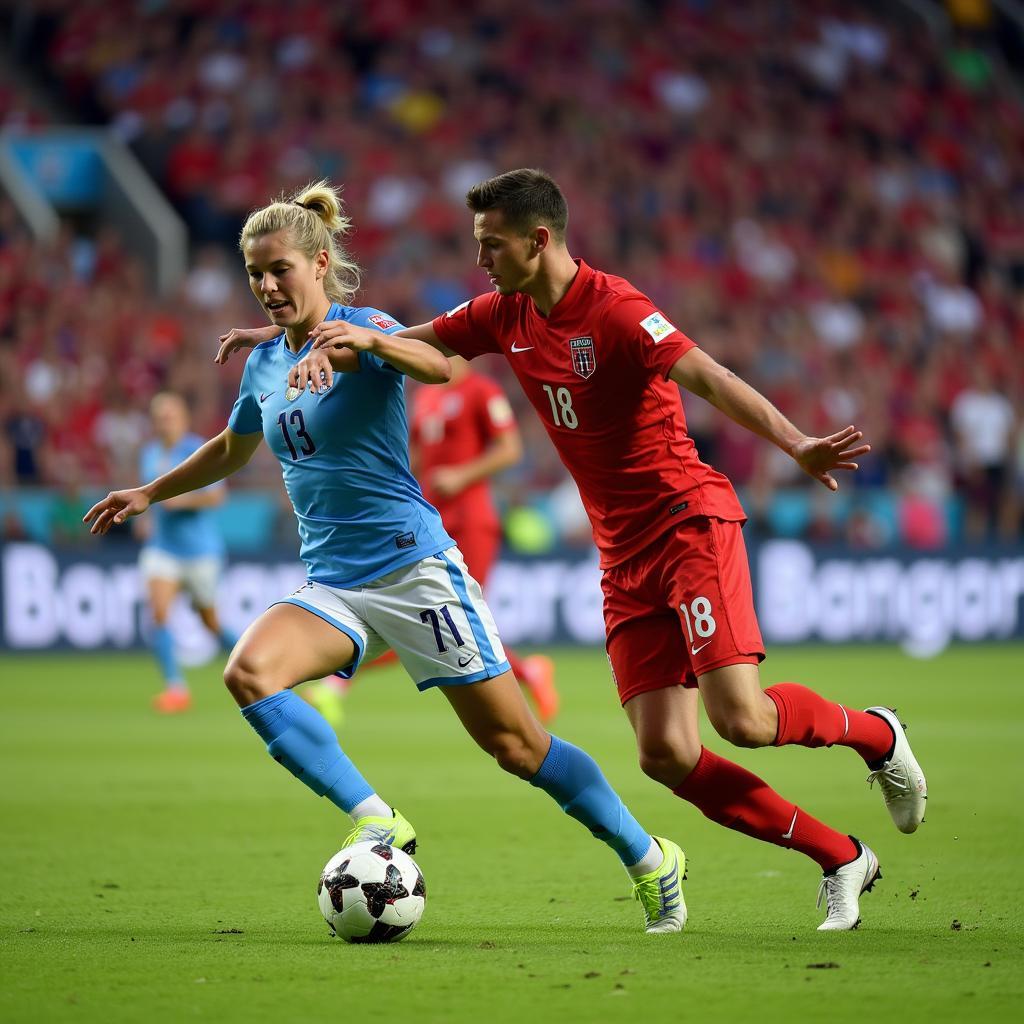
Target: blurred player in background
382, 570
461, 435
600, 364
182, 547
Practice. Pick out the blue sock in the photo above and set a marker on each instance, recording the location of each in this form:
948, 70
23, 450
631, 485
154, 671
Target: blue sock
227, 638
571, 777
163, 648
299, 737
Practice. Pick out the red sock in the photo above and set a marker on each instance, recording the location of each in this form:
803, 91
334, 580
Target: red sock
811, 721
738, 799
518, 668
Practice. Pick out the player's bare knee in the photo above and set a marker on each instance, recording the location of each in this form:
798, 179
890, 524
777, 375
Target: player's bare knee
246, 683
745, 730
666, 762
515, 754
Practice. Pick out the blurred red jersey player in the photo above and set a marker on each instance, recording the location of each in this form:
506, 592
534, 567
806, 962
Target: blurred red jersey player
461, 435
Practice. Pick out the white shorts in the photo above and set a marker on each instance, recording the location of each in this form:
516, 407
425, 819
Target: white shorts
196, 576
432, 614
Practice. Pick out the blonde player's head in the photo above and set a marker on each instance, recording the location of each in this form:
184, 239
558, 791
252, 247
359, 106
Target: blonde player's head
294, 256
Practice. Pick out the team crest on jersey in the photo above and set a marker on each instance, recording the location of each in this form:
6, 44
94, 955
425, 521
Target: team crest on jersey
292, 393
584, 361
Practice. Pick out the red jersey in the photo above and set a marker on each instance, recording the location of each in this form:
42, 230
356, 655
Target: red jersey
596, 371
454, 424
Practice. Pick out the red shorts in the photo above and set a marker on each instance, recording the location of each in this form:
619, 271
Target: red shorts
479, 547
681, 607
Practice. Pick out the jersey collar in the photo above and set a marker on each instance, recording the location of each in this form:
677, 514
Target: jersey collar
336, 312
566, 305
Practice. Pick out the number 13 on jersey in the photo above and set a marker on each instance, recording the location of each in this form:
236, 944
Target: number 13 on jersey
562, 412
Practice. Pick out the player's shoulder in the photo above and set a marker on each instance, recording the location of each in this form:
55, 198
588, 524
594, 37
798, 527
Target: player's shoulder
612, 288
490, 305
266, 352
266, 347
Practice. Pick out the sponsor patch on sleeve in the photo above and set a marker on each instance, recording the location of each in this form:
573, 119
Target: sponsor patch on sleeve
461, 306
382, 322
499, 411
657, 327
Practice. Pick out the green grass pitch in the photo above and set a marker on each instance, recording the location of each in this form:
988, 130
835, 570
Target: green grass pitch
164, 869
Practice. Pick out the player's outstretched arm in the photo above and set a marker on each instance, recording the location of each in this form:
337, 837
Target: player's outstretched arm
421, 332
219, 457
204, 498
413, 356
817, 456
243, 337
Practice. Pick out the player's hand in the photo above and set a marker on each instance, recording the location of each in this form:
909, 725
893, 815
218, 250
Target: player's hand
115, 508
447, 481
342, 334
817, 456
313, 371
243, 337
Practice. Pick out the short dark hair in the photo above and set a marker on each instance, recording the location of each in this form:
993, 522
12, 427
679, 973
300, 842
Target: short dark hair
526, 197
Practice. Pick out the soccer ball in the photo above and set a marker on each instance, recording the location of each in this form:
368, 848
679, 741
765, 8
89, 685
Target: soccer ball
370, 892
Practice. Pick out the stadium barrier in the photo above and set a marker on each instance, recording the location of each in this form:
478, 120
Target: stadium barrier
92, 599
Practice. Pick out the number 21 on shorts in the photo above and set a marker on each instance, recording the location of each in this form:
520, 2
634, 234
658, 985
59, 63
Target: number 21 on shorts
700, 623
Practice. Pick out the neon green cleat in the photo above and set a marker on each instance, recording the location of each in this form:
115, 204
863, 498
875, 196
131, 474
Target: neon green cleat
329, 700
660, 892
394, 831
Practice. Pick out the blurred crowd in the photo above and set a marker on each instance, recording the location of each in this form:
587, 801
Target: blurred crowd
830, 203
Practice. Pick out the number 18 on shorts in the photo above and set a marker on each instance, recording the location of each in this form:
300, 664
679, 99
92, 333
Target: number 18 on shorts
681, 607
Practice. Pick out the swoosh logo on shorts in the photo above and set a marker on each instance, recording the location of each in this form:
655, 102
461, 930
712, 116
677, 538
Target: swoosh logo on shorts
694, 651
463, 662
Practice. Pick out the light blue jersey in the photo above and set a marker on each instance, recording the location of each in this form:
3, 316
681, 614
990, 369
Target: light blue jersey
184, 533
344, 456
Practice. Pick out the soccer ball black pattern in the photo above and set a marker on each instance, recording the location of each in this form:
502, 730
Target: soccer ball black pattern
370, 892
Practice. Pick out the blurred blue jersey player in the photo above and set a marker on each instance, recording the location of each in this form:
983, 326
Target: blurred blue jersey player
382, 571
182, 550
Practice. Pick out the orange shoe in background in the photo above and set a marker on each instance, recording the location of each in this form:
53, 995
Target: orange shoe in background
172, 702
540, 682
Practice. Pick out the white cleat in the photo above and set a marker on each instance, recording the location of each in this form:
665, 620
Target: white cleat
841, 889
900, 778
